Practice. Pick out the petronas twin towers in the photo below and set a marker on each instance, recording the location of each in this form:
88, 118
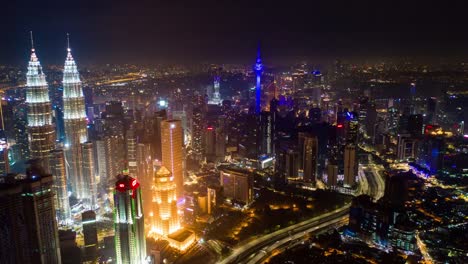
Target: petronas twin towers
79, 165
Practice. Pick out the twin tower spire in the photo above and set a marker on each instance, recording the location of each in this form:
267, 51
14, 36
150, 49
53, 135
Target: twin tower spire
42, 131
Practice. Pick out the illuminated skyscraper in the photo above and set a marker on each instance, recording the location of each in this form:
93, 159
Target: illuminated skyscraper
216, 98
350, 165
28, 232
237, 184
130, 243
4, 163
89, 185
310, 158
57, 169
74, 115
197, 127
131, 144
258, 68
165, 217
172, 152
40, 128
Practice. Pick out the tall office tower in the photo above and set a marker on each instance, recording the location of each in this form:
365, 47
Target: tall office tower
210, 143
265, 133
258, 68
332, 174
415, 125
4, 163
172, 152
113, 159
57, 169
165, 217
28, 232
20, 129
101, 162
313, 87
182, 116
216, 98
350, 165
310, 158
89, 191
145, 174
88, 220
159, 117
406, 147
40, 127
221, 137
237, 184
431, 110
131, 143
130, 243
351, 127
197, 132
74, 115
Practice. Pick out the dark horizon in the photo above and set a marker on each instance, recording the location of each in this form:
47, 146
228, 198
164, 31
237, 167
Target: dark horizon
211, 32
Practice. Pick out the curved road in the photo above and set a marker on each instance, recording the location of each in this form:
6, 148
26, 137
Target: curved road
249, 253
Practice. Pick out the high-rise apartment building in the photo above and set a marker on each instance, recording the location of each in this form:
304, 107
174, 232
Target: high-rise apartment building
40, 127
172, 152
28, 232
165, 215
130, 243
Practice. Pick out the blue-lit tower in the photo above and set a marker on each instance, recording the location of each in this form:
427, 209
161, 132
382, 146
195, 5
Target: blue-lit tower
258, 68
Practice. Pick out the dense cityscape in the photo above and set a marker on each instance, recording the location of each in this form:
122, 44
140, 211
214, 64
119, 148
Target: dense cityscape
330, 161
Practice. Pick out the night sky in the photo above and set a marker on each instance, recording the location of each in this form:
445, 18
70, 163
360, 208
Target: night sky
228, 31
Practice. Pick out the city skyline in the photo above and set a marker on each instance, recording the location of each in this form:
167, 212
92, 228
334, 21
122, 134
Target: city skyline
226, 133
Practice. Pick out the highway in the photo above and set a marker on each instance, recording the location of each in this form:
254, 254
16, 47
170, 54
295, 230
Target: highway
256, 251
293, 240
240, 254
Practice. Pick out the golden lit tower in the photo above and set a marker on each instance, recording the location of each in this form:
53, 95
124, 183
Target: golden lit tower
165, 217
172, 151
41, 131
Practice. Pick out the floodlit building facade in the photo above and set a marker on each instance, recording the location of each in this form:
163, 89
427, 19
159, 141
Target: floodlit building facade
74, 115
172, 152
41, 131
165, 215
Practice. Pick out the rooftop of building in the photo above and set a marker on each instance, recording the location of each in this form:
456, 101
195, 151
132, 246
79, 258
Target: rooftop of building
180, 235
233, 169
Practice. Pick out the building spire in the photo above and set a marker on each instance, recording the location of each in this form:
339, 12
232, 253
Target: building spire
32, 41
69, 55
258, 52
68, 41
